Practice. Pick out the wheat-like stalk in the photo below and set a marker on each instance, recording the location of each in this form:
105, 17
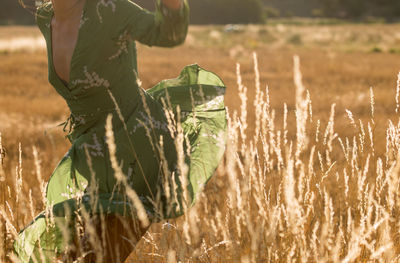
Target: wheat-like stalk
3, 230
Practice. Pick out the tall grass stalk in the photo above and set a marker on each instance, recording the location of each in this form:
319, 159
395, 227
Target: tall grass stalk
3, 230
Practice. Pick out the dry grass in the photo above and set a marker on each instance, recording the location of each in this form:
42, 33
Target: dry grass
327, 194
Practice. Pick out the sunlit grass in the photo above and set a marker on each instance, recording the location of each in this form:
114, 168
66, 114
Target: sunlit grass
320, 187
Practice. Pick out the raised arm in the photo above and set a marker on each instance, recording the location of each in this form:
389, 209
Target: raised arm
166, 27
172, 4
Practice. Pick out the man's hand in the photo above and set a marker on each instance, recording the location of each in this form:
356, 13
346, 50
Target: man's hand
172, 4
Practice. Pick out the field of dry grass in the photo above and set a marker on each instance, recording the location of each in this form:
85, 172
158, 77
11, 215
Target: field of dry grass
273, 198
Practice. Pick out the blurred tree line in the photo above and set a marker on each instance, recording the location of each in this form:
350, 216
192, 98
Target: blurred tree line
244, 11
11, 12
389, 9
345, 9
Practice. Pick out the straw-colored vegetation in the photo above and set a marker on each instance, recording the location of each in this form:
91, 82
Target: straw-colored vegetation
311, 170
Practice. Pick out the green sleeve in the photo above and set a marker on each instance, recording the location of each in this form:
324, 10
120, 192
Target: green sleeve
164, 27
41, 16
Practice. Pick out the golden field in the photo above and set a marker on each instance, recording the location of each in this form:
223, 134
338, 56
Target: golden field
322, 187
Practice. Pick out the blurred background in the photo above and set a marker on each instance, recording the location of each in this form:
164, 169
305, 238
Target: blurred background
250, 11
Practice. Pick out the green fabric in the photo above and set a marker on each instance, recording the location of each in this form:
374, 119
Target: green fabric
104, 63
200, 97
